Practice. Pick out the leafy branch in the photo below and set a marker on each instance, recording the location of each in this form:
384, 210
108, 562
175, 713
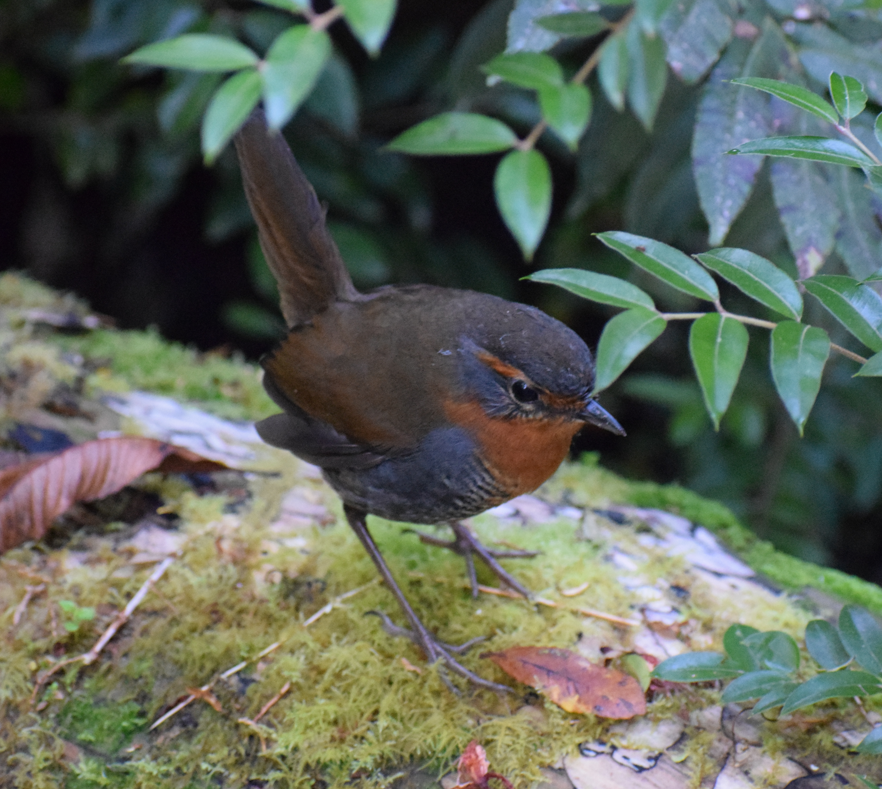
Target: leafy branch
764, 666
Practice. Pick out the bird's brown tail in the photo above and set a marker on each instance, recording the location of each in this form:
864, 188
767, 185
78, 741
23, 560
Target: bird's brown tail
291, 222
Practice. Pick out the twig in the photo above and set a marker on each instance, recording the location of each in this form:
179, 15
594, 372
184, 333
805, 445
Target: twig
87, 658
30, 591
272, 702
263, 653
616, 620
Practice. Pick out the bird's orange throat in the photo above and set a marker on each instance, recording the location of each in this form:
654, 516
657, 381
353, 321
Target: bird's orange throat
521, 453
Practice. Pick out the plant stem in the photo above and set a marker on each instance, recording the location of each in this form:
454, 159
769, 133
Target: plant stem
529, 142
851, 136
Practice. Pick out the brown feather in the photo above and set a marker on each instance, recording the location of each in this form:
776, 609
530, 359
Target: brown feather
298, 247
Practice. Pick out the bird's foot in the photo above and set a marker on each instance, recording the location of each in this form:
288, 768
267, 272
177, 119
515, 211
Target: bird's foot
437, 650
467, 545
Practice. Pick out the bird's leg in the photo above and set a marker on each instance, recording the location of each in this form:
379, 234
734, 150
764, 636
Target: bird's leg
466, 544
418, 632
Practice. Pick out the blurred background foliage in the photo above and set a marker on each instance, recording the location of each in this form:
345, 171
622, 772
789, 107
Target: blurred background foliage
104, 193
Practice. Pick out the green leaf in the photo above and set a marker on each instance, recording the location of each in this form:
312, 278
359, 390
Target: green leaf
877, 128
195, 51
695, 32
580, 24
292, 66
612, 71
793, 94
648, 73
816, 149
455, 133
293, 6
754, 684
797, 358
522, 185
739, 653
859, 241
873, 367
648, 14
856, 306
230, 106
872, 743
533, 70
834, 685
596, 287
725, 118
756, 277
774, 650
638, 668
567, 110
668, 264
824, 645
717, 345
775, 697
822, 50
807, 206
622, 340
369, 21
862, 636
848, 95
865, 782
695, 667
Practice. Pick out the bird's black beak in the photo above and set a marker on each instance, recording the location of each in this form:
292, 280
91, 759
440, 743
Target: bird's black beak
594, 413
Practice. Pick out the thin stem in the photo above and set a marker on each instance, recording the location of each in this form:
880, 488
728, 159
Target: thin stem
846, 130
848, 354
529, 142
324, 20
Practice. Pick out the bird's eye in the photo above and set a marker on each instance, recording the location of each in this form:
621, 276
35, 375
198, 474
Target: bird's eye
523, 393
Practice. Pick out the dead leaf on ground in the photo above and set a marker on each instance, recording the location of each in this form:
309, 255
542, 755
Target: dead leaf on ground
34, 493
572, 682
472, 769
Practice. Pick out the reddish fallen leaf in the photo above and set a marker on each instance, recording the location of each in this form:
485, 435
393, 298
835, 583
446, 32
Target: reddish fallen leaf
34, 493
472, 769
207, 696
572, 682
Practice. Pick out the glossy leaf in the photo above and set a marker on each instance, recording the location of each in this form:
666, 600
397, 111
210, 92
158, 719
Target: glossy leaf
369, 20
622, 340
647, 73
228, 109
821, 50
727, 117
195, 51
856, 306
776, 696
816, 149
717, 345
522, 185
793, 94
534, 70
754, 684
580, 24
292, 66
740, 654
833, 685
756, 277
294, 6
798, 355
567, 110
597, 287
862, 636
848, 95
668, 264
824, 645
877, 128
612, 70
774, 650
873, 367
455, 133
695, 667
695, 32
872, 743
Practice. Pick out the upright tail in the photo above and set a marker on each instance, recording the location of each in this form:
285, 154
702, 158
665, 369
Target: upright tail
298, 247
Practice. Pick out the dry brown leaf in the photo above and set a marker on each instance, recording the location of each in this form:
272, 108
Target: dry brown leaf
34, 493
473, 769
572, 682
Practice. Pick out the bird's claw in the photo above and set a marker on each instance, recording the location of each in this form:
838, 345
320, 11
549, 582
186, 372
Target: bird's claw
437, 650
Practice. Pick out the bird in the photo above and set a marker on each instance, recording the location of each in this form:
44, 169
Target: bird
419, 403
